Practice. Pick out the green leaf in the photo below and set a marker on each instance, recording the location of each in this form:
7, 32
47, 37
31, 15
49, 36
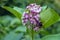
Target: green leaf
20, 10
57, 27
14, 12
49, 17
59, 19
21, 29
52, 37
13, 36
15, 21
27, 37
44, 8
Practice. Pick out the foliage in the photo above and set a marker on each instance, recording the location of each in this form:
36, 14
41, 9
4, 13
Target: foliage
11, 27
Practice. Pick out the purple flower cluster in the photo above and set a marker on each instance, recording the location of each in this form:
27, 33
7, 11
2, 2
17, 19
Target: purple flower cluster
32, 16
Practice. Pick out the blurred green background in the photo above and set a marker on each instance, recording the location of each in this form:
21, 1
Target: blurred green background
11, 27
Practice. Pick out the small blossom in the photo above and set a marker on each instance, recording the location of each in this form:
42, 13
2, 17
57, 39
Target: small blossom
26, 15
30, 15
36, 28
33, 21
25, 21
37, 17
35, 8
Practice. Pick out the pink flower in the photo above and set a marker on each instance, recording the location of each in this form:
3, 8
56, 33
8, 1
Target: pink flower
33, 16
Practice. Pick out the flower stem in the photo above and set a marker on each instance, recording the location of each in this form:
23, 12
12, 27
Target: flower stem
32, 33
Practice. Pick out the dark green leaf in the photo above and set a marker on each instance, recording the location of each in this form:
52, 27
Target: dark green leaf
14, 12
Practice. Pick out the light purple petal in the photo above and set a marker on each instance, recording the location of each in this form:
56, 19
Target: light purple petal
26, 15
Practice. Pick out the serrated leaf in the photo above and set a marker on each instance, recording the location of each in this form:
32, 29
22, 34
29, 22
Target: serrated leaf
52, 37
49, 17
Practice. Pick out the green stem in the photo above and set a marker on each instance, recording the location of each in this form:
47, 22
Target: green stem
32, 31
